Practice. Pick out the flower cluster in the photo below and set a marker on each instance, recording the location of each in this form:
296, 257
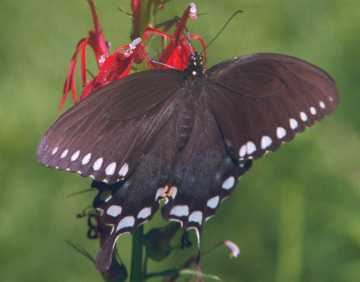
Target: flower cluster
118, 64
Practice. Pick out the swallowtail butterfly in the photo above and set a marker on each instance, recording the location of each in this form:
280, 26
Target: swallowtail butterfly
184, 136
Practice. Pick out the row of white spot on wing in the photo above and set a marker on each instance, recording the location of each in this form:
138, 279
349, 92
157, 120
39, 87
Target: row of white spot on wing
116, 210
110, 169
184, 211
266, 141
127, 221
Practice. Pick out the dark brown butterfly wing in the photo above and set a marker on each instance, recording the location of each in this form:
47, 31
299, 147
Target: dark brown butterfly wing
104, 135
263, 100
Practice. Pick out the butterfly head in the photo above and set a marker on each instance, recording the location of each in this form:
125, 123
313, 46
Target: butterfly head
196, 65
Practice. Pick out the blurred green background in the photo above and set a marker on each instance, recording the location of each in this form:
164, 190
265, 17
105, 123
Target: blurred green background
295, 215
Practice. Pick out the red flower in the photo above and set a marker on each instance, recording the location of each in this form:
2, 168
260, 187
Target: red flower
118, 64
111, 66
176, 53
97, 42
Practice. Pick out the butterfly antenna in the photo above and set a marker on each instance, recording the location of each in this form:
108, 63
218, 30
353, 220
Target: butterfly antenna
237, 12
79, 192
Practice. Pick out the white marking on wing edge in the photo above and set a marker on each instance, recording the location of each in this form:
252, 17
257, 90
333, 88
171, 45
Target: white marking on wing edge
177, 220
124, 170
242, 151
159, 193
313, 111
250, 147
86, 159
126, 222
180, 211
110, 169
303, 116
196, 216
114, 210
54, 151
228, 183
173, 192
213, 202
322, 104
64, 154
75, 156
92, 176
197, 233
293, 124
266, 142
280, 132
144, 213
97, 164
208, 218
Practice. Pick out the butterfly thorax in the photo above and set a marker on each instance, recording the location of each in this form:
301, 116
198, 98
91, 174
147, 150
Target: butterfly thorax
195, 67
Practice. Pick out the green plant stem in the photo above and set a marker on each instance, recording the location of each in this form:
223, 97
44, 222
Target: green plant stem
137, 274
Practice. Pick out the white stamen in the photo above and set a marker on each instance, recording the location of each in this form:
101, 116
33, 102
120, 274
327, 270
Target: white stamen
193, 11
135, 43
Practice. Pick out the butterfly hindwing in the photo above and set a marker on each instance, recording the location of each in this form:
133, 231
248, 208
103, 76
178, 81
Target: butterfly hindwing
204, 172
263, 100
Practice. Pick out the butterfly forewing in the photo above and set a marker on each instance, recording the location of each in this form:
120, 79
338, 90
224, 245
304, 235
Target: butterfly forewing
104, 135
263, 100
